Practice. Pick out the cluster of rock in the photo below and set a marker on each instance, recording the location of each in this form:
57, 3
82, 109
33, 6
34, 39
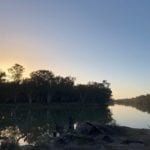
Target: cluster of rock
93, 136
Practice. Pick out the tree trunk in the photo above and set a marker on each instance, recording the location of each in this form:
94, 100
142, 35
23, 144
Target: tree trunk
29, 99
49, 97
15, 99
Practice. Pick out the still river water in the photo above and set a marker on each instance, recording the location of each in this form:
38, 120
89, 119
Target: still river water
130, 116
28, 125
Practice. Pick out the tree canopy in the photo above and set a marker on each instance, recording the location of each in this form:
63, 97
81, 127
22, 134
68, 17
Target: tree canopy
45, 88
2, 76
16, 72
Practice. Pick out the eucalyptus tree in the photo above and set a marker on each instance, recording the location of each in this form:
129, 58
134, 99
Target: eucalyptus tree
2, 86
63, 89
2, 76
43, 80
106, 84
28, 89
16, 72
44, 87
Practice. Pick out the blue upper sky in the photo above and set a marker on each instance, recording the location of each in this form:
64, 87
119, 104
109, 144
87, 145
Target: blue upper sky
89, 39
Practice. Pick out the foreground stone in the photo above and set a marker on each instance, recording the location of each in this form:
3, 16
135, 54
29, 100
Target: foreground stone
93, 136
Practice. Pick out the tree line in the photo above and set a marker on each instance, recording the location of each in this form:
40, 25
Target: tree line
141, 102
44, 87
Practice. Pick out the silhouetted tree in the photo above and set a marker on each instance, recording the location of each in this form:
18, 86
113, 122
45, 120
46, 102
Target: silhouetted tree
43, 80
42, 76
106, 84
28, 90
16, 72
2, 76
45, 88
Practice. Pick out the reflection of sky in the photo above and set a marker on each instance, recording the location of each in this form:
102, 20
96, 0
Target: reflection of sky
129, 116
91, 40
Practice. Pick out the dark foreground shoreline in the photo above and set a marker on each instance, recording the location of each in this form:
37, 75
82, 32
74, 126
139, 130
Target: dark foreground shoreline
91, 136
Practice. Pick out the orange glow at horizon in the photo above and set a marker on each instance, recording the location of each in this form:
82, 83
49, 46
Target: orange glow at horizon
15, 51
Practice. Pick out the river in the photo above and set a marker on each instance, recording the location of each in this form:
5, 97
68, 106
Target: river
130, 116
31, 123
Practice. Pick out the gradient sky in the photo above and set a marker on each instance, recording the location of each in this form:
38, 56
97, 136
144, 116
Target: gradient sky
91, 40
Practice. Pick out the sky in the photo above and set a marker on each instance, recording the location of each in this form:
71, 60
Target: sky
92, 40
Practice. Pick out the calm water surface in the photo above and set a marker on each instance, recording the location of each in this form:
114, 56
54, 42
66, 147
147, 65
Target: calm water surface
130, 116
29, 125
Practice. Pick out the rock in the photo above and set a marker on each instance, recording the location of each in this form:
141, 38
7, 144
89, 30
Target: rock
107, 139
60, 141
89, 129
107, 129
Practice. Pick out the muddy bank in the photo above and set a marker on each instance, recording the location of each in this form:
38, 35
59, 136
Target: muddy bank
92, 136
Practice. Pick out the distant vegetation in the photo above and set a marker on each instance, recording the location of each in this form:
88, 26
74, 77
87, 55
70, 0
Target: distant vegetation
44, 87
141, 102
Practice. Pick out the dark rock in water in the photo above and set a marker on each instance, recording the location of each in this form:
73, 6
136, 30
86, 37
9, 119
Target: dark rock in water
108, 130
94, 129
132, 141
89, 129
107, 139
60, 141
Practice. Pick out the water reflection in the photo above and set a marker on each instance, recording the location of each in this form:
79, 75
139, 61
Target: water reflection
23, 124
130, 116
142, 106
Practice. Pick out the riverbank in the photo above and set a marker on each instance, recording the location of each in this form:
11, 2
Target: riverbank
92, 136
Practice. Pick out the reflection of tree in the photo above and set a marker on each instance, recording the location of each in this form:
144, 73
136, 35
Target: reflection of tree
33, 123
11, 134
2, 76
16, 72
141, 102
